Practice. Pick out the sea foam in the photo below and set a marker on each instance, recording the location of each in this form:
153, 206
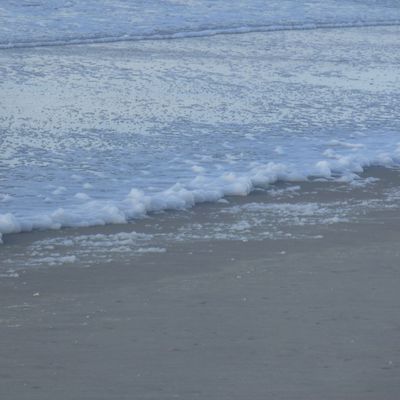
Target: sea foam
137, 203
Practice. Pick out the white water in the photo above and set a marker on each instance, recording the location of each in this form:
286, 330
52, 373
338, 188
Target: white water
106, 133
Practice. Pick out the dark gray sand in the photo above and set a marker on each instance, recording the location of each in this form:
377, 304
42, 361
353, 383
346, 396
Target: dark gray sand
214, 319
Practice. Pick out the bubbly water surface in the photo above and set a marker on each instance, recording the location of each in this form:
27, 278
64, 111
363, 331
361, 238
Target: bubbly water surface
102, 133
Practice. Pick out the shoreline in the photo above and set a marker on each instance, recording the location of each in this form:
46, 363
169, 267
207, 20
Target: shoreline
291, 292
382, 173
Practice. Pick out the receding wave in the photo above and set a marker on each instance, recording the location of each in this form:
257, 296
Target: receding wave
200, 32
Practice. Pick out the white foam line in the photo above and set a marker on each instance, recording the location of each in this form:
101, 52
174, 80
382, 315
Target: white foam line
137, 203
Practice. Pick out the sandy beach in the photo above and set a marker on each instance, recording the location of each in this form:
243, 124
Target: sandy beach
214, 216
308, 317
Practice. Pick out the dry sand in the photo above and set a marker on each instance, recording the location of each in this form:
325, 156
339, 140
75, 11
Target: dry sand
213, 319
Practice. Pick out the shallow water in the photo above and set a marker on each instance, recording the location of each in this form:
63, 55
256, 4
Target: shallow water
95, 134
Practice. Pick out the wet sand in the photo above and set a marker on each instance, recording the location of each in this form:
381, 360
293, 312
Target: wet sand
213, 319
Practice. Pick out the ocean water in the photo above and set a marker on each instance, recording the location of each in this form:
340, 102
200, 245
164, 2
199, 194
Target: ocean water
30, 22
98, 125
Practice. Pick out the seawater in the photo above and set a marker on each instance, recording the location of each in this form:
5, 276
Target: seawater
33, 22
102, 133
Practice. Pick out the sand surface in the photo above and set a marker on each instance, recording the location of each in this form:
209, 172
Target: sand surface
213, 319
